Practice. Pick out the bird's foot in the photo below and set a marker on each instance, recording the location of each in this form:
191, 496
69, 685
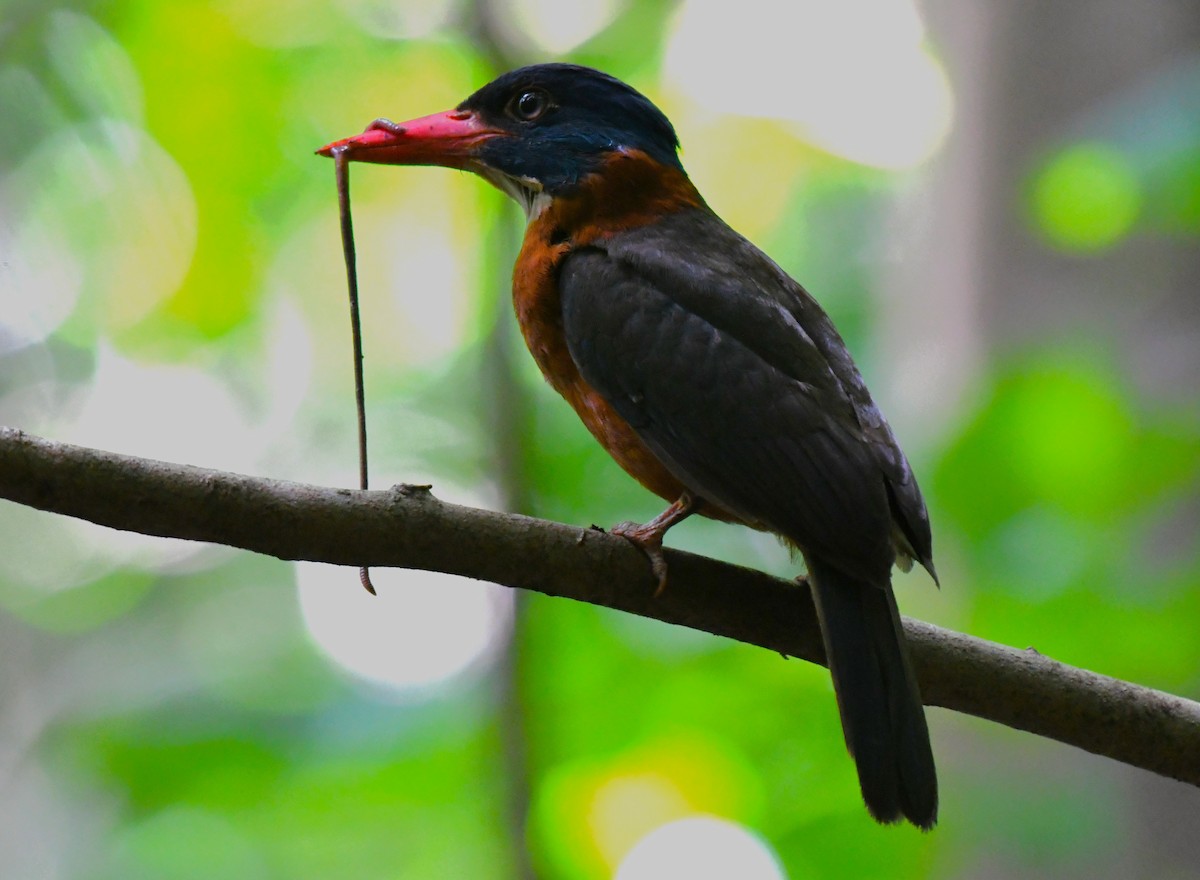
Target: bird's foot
648, 537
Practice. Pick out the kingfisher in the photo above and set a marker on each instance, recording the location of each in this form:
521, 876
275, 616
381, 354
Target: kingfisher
712, 377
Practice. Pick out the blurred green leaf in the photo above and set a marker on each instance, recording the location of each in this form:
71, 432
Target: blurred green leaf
183, 843
1086, 198
1054, 433
81, 608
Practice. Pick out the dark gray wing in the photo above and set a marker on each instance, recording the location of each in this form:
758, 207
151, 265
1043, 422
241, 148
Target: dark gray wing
738, 382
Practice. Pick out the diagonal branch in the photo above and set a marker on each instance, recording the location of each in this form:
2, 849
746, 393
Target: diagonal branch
407, 527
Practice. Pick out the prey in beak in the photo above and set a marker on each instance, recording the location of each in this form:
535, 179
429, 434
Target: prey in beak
451, 139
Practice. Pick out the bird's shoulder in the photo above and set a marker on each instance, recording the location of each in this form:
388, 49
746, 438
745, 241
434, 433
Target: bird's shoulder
704, 266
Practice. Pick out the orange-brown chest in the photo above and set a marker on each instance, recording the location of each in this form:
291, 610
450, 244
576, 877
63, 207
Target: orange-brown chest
631, 191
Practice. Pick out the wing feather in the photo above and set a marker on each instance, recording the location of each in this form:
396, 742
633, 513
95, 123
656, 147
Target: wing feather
721, 369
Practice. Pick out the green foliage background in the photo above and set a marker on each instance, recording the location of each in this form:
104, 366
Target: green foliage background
165, 713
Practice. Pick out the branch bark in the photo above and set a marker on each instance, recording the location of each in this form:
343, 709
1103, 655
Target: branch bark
407, 527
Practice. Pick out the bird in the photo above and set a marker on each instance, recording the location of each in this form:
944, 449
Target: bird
711, 376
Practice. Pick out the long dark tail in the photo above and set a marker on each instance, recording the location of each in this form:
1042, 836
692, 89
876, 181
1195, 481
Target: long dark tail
882, 715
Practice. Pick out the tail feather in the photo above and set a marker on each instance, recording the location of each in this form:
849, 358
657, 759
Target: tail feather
882, 715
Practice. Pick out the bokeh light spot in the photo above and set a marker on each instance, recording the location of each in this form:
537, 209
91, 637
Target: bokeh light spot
106, 210
558, 27
1086, 198
1073, 433
40, 283
701, 847
588, 814
94, 66
166, 412
873, 95
623, 807
397, 19
422, 630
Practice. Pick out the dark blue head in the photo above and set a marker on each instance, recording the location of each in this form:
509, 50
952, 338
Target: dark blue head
564, 120
534, 130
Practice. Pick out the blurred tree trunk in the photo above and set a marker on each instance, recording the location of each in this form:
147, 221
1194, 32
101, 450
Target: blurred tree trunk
1029, 77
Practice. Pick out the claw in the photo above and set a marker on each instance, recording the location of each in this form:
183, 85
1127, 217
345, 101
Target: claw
649, 537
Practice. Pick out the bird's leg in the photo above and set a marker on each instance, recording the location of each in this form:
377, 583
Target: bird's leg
648, 537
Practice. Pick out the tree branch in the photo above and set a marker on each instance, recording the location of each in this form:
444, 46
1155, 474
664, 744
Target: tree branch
407, 527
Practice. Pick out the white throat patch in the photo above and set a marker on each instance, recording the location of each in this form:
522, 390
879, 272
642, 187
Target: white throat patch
526, 192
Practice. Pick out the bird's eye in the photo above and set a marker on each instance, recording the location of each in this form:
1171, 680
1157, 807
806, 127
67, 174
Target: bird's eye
528, 106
